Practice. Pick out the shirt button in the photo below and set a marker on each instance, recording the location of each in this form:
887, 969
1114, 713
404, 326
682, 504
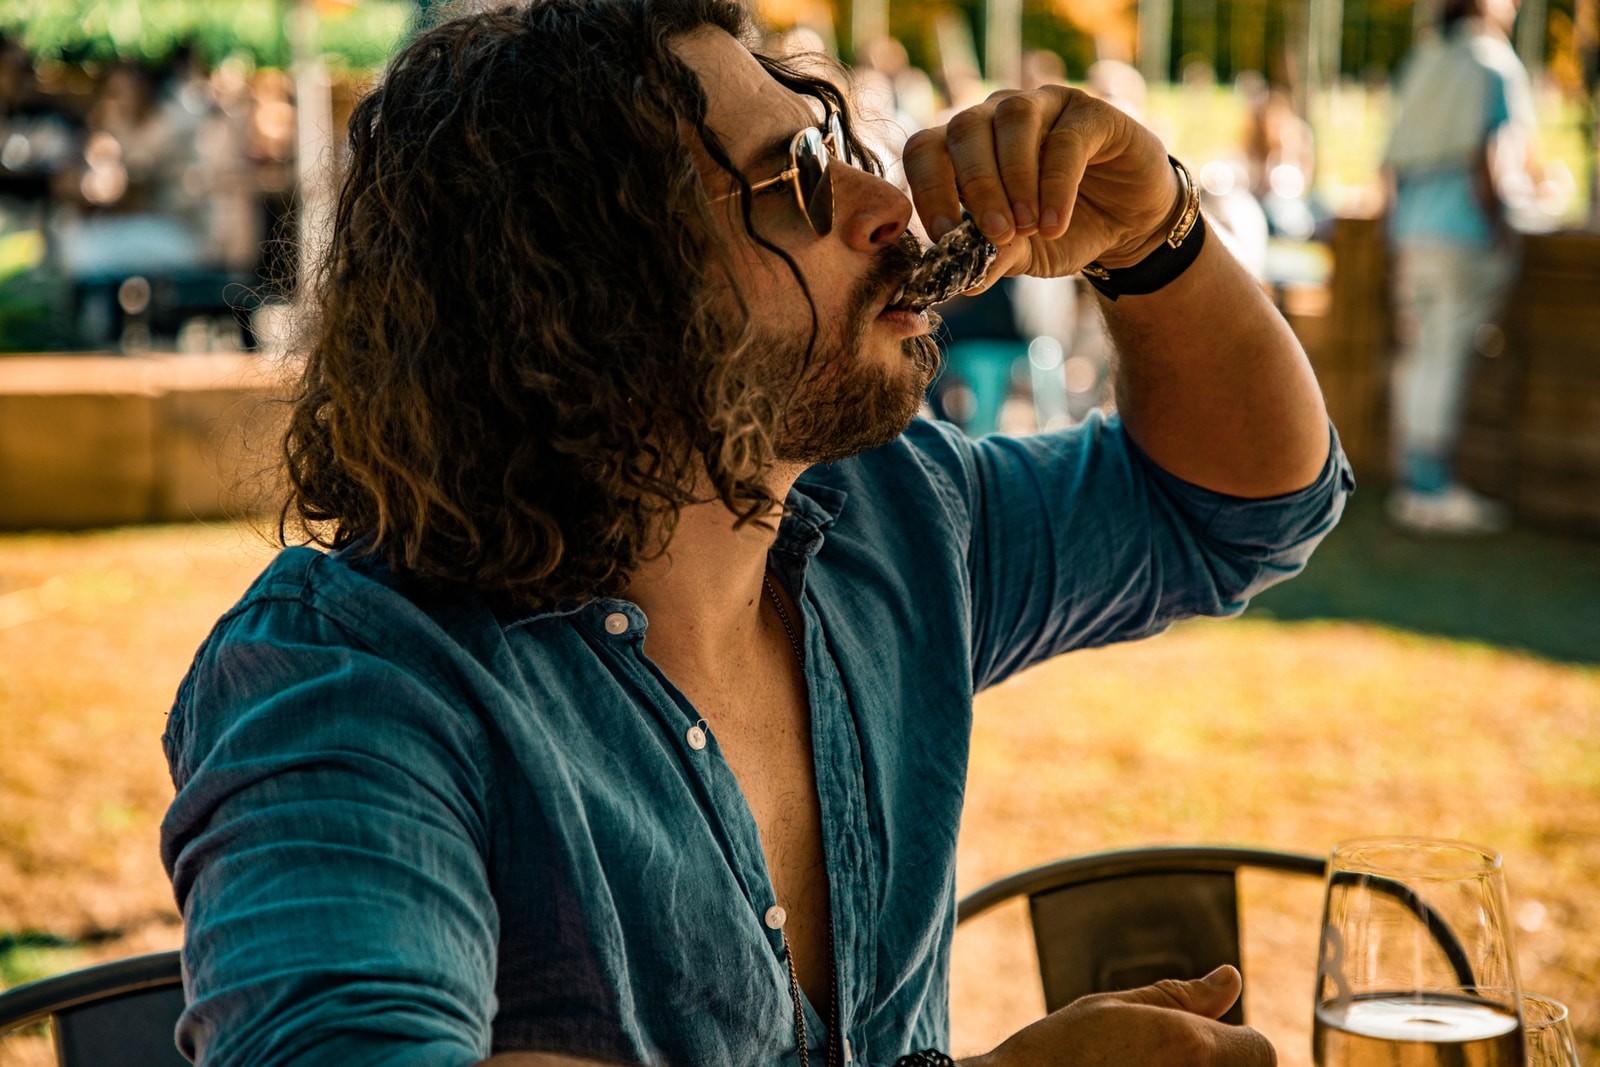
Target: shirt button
776, 917
696, 738
616, 623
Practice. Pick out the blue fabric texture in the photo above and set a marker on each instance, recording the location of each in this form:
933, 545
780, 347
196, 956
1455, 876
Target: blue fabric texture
409, 830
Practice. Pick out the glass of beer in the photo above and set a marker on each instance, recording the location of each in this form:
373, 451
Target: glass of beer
1417, 964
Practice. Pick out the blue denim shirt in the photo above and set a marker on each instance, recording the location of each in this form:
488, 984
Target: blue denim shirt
410, 831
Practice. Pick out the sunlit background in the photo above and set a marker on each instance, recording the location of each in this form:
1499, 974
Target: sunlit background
165, 173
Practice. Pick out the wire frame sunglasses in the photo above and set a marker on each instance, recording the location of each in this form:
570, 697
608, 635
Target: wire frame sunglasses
810, 154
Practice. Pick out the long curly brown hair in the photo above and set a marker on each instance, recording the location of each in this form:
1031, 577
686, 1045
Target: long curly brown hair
516, 371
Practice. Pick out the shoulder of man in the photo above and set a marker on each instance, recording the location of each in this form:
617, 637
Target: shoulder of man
311, 599
932, 464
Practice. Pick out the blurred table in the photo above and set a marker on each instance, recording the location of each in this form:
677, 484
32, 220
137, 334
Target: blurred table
90, 440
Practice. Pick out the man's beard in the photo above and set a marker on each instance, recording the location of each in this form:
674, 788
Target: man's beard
846, 404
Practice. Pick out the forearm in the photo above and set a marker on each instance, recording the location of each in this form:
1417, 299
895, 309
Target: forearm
1214, 386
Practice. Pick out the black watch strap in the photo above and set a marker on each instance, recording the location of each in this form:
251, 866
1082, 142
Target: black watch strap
928, 1057
1171, 258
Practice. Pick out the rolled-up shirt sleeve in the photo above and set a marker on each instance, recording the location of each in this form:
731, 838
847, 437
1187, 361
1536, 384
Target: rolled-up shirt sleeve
1079, 539
327, 849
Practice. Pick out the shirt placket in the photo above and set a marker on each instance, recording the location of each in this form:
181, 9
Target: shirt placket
841, 794
721, 798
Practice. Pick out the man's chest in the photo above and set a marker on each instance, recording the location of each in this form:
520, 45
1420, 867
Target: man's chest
762, 729
646, 833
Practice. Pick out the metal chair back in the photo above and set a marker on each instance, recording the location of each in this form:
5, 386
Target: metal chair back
1117, 920
119, 1012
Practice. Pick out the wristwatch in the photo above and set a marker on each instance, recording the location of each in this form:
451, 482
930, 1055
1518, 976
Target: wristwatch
928, 1057
1171, 257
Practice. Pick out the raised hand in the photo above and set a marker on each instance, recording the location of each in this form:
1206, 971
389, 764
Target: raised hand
1055, 177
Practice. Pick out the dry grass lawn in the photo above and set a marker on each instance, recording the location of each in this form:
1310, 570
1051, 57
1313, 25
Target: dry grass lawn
1289, 735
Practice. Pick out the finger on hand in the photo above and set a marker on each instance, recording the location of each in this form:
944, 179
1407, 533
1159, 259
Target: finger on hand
971, 144
932, 179
1210, 996
1017, 126
1063, 158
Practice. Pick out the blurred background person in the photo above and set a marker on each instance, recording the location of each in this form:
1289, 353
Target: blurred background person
1464, 124
1280, 159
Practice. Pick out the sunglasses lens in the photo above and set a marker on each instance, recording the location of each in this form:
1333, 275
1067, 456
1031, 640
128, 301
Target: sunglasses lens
813, 180
841, 147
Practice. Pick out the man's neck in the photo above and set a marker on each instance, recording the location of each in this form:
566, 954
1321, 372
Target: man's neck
703, 596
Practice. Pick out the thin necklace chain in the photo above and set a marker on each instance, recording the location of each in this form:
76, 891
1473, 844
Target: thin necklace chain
783, 617
788, 953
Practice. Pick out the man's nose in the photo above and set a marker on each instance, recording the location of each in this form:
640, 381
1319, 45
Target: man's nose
868, 211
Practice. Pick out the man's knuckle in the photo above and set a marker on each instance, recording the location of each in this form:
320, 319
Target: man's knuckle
1173, 990
1192, 1044
920, 144
983, 186
1020, 182
970, 126
1015, 110
1072, 97
1060, 137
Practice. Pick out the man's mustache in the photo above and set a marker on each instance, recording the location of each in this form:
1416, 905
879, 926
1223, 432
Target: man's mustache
894, 265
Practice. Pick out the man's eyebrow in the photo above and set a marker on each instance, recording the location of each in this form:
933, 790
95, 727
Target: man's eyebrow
772, 153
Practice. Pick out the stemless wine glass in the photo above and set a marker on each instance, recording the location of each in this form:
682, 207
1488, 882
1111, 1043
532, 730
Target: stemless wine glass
1547, 1032
1415, 937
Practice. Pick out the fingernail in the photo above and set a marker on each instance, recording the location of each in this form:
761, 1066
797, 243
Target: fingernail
942, 226
1023, 214
1218, 977
994, 224
1048, 220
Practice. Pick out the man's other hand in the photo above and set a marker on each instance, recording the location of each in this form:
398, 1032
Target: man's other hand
1169, 1024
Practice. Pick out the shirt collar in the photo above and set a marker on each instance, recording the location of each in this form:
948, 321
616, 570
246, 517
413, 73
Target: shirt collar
811, 509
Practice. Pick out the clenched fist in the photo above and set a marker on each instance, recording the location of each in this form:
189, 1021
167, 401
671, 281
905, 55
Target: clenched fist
1055, 177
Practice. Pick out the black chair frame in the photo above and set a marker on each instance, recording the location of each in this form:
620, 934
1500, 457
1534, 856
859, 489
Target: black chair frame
119, 1012
1115, 920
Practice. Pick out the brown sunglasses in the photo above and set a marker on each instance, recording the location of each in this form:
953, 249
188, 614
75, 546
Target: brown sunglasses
809, 155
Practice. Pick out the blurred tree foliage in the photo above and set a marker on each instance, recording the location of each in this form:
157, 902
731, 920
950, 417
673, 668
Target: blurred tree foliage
354, 36
1232, 36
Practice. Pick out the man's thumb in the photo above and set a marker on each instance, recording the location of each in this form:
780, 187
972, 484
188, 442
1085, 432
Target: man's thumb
1210, 996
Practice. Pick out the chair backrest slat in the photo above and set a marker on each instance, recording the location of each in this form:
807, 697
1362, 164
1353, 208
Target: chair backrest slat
120, 1012
1117, 920
1127, 932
